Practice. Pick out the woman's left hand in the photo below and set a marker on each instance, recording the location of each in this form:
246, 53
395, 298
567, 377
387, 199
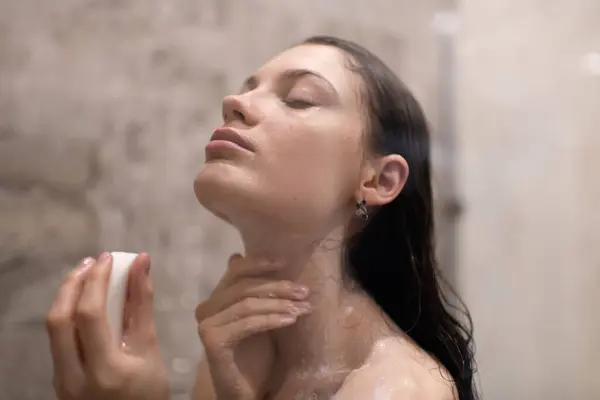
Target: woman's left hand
88, 363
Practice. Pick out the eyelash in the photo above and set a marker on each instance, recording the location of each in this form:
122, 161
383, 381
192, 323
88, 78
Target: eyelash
298, 104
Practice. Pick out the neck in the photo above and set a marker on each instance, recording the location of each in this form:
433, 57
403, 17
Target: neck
316, 340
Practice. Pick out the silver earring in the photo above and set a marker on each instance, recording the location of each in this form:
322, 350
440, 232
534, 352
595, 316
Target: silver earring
361, 210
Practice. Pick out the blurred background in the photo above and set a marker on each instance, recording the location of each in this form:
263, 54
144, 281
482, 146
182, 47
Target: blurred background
105, 107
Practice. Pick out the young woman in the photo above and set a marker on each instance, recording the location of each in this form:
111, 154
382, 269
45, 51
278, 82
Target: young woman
323, 166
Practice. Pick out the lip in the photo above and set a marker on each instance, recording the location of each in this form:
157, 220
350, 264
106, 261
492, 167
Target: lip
226, 134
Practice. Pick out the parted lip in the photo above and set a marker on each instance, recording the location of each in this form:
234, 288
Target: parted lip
231, 135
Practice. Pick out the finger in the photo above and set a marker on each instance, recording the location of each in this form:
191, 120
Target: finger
227, 277
59, 321
236, 331
90, 315
269, 289
140, 330
256, 306
251, 288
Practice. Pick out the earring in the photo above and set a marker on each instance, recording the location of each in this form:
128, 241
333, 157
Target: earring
361, 210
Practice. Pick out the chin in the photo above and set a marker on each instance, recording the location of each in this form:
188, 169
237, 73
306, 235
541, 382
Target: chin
223, 189
233, 194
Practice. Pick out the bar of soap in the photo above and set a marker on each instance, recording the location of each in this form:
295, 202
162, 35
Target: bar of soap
117, 291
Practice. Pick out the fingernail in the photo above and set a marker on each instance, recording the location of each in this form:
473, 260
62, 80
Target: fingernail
288, 319
84, 265
301, 290
86, 261
301, 308
104, 258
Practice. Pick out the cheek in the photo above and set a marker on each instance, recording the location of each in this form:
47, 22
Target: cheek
311, 166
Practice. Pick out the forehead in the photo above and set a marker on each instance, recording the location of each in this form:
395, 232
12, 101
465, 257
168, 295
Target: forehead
327, 61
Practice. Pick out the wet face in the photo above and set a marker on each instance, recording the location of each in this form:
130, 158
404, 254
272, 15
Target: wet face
293, 145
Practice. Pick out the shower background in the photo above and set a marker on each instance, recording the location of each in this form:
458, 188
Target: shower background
105, 106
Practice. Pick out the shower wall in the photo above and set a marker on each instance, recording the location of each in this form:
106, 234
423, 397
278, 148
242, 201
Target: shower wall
529, 263
105, 107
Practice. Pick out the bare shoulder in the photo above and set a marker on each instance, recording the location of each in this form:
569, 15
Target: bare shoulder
397, 370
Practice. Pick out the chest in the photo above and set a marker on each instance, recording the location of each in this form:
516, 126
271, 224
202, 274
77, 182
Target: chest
302, 394
307, 388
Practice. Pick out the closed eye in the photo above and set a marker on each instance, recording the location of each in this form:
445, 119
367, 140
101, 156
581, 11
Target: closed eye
298, 104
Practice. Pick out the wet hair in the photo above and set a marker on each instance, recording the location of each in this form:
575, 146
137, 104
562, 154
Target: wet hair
393, 257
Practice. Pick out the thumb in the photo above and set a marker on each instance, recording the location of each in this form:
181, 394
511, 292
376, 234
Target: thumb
229, 274
140, 330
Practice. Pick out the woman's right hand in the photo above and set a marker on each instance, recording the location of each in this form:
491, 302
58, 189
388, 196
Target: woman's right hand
230, 323
88, 363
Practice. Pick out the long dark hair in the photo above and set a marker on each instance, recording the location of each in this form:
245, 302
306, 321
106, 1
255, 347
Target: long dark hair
393, 257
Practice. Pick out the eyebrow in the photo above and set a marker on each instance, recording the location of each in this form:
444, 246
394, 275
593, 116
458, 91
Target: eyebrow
253, 80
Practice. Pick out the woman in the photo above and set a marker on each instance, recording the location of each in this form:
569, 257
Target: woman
323, 166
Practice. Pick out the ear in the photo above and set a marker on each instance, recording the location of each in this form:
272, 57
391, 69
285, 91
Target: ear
384, 179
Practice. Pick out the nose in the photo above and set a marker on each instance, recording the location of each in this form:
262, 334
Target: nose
237, 109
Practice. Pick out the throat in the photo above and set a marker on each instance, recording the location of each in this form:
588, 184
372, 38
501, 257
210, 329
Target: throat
324, 346
318, 337
315, 355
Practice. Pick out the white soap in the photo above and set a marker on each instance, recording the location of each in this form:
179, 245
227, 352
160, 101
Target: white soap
117, 290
